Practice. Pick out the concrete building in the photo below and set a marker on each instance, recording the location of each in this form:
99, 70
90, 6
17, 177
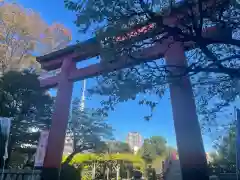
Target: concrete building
134, 140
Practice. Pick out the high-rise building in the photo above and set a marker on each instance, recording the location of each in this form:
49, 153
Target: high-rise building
134, 140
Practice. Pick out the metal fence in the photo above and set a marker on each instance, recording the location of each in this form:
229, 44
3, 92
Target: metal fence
35, 175
20, 174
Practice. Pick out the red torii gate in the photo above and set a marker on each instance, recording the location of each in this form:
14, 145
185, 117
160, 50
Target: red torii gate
189, 140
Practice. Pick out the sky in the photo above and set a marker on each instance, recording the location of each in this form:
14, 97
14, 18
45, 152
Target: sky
128, 116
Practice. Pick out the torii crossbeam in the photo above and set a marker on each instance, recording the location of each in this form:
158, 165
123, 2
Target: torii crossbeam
189, 140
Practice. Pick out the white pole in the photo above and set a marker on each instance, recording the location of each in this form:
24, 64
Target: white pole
82, 105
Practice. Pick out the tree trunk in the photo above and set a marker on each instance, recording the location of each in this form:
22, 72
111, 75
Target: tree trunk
107, 173
118, 169
69, 158
93, 170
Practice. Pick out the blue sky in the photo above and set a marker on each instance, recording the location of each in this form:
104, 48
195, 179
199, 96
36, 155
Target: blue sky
162, 121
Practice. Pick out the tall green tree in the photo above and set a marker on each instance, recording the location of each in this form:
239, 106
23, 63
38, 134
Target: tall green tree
88, 129
226, 149
213, 65
224, 157
148, 152
159, 143
153, 147
118, 147
30, 107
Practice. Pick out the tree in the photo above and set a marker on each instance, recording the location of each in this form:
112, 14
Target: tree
159, 143
88, 130
118, 147
30, 107
226, 149
224, 157
153, 147
213, 65
123, 15
148, 152
24, 33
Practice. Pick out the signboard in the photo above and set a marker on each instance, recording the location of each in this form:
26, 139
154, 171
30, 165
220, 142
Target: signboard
41, 149
5, 125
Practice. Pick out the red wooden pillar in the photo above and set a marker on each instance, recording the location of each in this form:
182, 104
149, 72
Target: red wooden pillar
60, 117
188, 133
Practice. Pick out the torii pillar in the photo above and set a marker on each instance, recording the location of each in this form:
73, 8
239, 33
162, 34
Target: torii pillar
188, 132
56, 139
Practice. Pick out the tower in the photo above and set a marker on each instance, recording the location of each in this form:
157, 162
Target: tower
82, 105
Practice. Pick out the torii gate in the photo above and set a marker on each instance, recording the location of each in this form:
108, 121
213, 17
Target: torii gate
189, 140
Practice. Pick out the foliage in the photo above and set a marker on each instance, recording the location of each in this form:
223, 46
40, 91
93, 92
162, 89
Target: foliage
152, 148
24, 33
118, 147
88, 129
151, 173
213, 65
224, 158
20, 160
30, 107
81, 158
148, 152
157, 162
226, 149
126, 162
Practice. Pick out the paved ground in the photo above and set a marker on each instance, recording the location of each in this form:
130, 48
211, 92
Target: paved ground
174, 172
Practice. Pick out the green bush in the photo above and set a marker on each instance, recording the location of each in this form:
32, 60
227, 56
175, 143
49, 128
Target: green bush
126, 161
